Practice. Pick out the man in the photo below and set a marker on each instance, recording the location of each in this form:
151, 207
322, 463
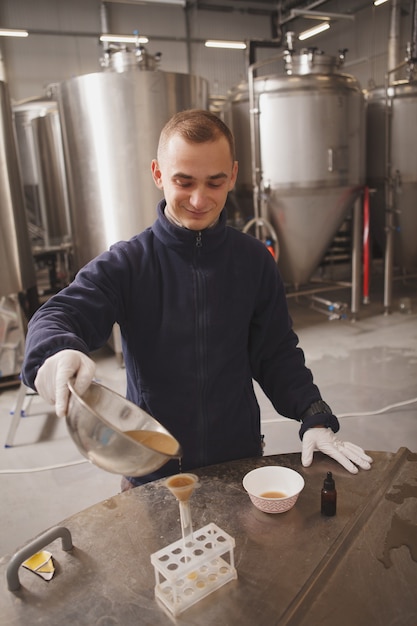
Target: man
202, 312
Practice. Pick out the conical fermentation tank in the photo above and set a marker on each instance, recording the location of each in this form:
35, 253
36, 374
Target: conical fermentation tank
391, 115
111, 125
307, 150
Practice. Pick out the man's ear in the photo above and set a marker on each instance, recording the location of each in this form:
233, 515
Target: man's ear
156, 174
234, 175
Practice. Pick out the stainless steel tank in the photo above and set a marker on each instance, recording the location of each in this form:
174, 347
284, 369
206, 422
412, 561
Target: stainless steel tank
309, 154
237, 116
52, 181
17, 270
111, 125
399, 102
23, 114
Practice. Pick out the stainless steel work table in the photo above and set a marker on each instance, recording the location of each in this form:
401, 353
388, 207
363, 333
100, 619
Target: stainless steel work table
299, 568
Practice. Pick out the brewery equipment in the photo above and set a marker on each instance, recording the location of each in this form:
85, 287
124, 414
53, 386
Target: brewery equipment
17, 270
392, 161
307, 153
111, 124
39, 140
399, 102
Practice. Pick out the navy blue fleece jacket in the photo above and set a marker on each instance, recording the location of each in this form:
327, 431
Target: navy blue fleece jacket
201, 314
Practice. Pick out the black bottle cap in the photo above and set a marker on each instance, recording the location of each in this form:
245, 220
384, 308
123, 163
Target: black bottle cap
329, 482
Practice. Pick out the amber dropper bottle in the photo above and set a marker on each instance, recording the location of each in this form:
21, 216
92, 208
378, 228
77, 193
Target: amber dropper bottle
328, 496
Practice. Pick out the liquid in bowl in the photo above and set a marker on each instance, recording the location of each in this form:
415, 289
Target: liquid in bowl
273, 494
160, 442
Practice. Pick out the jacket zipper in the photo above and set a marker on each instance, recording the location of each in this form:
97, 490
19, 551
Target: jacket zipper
201, 349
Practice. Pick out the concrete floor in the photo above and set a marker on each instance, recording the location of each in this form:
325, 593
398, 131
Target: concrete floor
361, 367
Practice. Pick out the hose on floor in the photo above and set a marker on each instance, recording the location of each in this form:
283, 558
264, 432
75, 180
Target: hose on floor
64, 465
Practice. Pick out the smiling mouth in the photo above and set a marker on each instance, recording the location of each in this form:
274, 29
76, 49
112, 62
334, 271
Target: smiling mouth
195, 213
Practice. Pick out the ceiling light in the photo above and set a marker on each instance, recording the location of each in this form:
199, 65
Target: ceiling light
123, 38
314, 31
378, 2
316, 15
179, 3
7, 32
217, 43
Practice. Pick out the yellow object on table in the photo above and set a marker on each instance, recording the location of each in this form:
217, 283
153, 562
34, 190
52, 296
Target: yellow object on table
41, 563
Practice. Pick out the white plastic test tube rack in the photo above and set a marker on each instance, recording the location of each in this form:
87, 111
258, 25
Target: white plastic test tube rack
185, 574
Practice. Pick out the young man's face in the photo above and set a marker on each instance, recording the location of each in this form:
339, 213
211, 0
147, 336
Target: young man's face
195, 178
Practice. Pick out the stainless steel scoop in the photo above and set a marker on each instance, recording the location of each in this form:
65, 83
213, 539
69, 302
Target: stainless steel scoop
116, 435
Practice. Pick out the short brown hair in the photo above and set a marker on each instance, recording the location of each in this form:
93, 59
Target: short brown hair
196, 126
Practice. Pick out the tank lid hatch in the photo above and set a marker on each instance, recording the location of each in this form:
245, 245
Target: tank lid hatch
311, 61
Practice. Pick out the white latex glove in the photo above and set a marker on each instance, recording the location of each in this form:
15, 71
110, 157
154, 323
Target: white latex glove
345, 453
52, 379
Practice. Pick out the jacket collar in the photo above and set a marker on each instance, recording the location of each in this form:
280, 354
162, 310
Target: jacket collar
184, 239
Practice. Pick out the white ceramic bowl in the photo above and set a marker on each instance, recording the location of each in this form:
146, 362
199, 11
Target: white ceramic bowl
273, 480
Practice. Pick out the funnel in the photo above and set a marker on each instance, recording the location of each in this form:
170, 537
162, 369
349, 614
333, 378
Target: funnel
182, 487
116, 435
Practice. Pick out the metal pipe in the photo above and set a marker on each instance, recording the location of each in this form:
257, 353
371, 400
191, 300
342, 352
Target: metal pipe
104, 22
393, 67
356, 256
104, 18
366, 246
288, 5
254, 45
260, 222
188, 37
334, 287
307, 292
389, 194
3, 76
394, 36
414, 32
253, 123
389, 226
388, 261
326, 15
